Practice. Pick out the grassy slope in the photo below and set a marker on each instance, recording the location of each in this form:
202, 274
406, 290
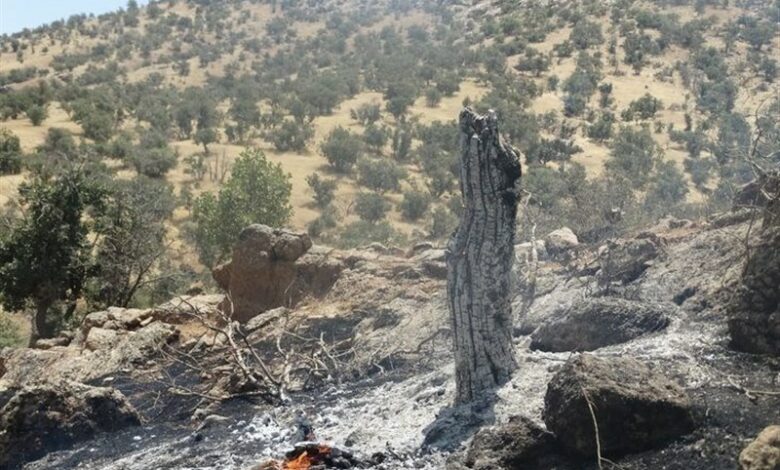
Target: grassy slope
627, 87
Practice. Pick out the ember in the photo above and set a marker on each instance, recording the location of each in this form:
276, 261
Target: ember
313, 456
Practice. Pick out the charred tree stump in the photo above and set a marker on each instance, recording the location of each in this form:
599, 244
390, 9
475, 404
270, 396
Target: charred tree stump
480, 256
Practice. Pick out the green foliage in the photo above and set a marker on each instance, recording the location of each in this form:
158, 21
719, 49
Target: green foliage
371, 206
601, 129
44, 257
292, 135
645, 107
380, 174
667, 189
402, 142
327, 220
10, 336
37, 114
634, 154
443, 222
10, 153
131, 247
324, 189
586, 34
375, 137
257, 191
362, 233
367, 113
414, 204
342, 149
551, 150
152, 157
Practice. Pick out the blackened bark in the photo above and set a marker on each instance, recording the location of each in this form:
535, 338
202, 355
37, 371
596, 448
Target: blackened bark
480, 256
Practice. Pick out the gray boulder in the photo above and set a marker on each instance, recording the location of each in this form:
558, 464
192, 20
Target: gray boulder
623, 261
594, 323
560, 241
636, 408
43, 418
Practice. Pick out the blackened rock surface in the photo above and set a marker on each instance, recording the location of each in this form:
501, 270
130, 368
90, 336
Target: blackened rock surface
623, 261
43, 418
518, 445
636, 408
594, 323
755, 311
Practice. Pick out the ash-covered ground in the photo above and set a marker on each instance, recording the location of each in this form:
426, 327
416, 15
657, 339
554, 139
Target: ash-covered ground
391, 409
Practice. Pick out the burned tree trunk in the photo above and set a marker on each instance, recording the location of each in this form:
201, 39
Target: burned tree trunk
480, 256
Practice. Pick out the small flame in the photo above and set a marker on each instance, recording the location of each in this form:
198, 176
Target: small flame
302, 462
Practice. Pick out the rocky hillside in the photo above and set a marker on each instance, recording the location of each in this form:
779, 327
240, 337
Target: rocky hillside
570, 78
629, 356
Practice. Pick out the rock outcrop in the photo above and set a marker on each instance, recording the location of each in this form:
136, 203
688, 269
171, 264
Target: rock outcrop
594, 323
755, 310
635, 407
517, 445
560, 241
43, 418
623, 261
764, 452
272, 268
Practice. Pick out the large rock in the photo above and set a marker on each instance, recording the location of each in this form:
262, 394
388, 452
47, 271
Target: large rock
101, 338
764, 452
116, 318
636, 408
269, 270
755, 311
594, 323
560, 241
43, 418
518, 445
623, 261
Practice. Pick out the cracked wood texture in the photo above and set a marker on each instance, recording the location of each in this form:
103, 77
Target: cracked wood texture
479, 258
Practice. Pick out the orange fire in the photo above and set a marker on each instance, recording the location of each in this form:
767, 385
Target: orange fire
306, 460
303, 462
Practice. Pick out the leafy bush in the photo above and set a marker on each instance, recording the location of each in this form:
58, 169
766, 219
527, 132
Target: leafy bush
10, 336
362, 233
414, 204
257, 191
342, 149
371, 207
645, 107
324, 189
443, 222
292, 135
37, 114
380, 174
667, 189
10, 153
633, 155
154, 162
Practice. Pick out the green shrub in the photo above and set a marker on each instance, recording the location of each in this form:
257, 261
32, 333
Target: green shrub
443, 222
10, 153
342, 149
371, 207
257, 191
362, 233
414, 204
380, 174
37, 114
10, 336
324, 189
